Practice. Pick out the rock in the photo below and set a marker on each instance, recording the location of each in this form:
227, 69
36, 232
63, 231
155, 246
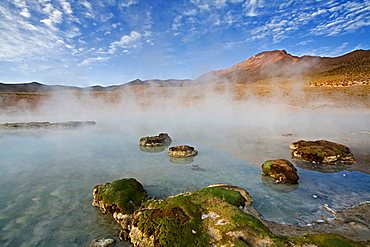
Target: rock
281, 170
121, 196
321, 151
101, 242
161, 140
183, 151
248, 199
218, 215
47, 125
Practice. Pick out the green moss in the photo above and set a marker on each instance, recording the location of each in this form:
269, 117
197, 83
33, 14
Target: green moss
125, 194
174, 222
266, 166
230, 196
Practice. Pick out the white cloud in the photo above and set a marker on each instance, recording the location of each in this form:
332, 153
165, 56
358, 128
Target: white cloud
251, 7
66, 7
177, 23
91, 60
56, 17
20, 3
126, 42
25, 13
89, 8
128, 3
24, 40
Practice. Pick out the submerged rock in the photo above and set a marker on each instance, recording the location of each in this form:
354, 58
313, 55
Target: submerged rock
46, 125
321, 151
163, 139
183, 151
101, 242
282, 171
219, 215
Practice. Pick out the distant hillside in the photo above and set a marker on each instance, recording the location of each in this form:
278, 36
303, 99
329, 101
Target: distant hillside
275, 76
350, 69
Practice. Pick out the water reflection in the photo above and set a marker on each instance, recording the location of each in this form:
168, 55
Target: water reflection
324, 168
183, 161
284, 188
158, 149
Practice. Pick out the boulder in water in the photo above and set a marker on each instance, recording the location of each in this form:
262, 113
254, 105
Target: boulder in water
282, 171
183, 151
163, 139
121, 196
321, 151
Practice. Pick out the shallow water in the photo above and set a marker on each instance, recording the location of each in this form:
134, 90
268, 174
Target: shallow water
47, 176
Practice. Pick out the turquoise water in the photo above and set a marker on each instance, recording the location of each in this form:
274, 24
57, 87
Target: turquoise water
46, 177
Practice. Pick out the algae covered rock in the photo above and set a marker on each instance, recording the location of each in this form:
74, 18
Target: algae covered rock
121, 196
218, 215
282, 171
206, 217
161, 140
321, 151
183, 151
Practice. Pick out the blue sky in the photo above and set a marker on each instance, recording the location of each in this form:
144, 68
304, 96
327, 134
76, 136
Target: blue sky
88, 42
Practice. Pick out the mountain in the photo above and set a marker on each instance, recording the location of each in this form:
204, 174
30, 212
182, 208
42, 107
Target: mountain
351, 67
33, 87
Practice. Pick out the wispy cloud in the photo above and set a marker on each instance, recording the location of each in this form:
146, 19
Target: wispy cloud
55, 17
128, 3
251, 7
91, 60
66, 7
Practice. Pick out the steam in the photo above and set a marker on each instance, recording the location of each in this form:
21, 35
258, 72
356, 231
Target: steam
252, 117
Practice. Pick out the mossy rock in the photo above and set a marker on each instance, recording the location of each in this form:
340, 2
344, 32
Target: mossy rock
201, 218
220, 215
161, 140
182, 151
321, 151
120, 196
282, 171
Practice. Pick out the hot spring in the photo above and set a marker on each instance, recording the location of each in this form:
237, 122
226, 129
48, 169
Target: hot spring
47, 176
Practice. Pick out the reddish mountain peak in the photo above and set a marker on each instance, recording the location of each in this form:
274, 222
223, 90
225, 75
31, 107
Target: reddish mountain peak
260, 60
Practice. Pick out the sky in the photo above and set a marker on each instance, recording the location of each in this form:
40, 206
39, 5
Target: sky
106, 42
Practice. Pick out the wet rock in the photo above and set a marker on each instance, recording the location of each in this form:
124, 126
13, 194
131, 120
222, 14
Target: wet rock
121, 196
161, 140
183, 151
47, 125
101, 242
282, 171
321, 151
219, 215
